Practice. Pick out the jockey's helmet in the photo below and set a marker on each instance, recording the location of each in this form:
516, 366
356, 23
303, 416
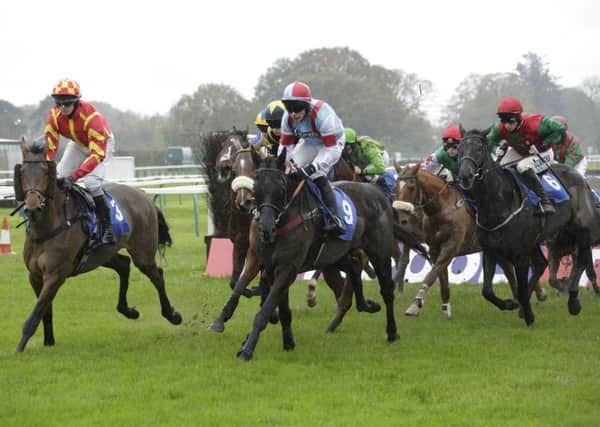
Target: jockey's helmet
350, 135
274, 114
260, 121
451, 136
296, 97
509, 108
66, 91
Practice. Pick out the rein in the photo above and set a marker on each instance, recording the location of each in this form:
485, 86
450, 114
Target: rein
425, 205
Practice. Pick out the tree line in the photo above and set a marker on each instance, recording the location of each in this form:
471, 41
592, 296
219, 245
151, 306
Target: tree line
385, 104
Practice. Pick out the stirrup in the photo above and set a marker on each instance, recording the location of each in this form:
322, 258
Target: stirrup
546, 209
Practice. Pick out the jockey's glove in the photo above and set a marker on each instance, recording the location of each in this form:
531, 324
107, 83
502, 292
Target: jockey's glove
65, 183
304, 172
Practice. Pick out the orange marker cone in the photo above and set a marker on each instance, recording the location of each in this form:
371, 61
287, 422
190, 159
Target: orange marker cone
5, 246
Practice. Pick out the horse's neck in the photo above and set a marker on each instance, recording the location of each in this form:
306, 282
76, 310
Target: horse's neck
435, 196
495, 193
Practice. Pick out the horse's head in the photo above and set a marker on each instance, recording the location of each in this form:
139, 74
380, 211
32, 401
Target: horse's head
233, 143
270, 193
408, 194
473, 156
242, 185
35, 179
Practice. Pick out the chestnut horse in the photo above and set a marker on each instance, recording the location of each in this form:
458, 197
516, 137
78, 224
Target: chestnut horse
448, 226
56, 246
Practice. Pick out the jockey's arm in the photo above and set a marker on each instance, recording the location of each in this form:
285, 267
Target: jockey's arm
494, 137
375, 161
551, 132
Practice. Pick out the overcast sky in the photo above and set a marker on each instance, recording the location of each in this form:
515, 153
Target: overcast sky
142, 56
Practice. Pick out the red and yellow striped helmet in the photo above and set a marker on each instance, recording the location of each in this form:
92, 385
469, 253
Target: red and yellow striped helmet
67, 87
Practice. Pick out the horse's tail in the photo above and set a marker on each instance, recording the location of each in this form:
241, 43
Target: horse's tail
409, 239
164, 237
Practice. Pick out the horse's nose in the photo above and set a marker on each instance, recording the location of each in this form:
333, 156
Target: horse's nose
246, 205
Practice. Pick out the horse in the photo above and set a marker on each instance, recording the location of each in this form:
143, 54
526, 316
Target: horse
508, 227
449, 229
285, 248
56, 245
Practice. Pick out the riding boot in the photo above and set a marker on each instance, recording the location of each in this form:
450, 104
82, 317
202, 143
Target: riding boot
532, 181
103, 212
336, 225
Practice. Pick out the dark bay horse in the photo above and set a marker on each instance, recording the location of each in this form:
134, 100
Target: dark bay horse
286, 246
509, 230
449, 230
56, 240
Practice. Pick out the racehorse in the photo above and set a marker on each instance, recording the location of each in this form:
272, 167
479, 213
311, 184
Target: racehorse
448, 226
56, 242
508, 228
285, 248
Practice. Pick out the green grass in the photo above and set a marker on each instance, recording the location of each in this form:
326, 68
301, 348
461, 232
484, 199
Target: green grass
482, 367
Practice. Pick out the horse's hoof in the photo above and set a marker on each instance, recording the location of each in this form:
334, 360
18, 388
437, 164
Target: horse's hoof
369, 307
130, 313
244, 355
446, 310
541, 297
393, 337
274, 318
311, 300
174, 317
510, 304
574, 307
412, 310
216, 326
529, 320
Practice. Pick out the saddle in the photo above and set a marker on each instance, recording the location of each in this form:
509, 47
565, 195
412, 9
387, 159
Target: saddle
552, 186
344, 205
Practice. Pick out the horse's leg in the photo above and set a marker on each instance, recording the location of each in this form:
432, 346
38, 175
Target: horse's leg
523, 291
489, 268
264, 285
155, 274
45, 287
311, 295
250, 271
353, 267
401, 265
342, 290
554, 258
122, 265
415, 308
538, 264
445, 292
581, 261
591, 274
383, 269
283, 277
285, 316
240, 247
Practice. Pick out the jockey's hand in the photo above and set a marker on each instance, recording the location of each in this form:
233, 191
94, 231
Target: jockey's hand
65, 183
501, 151
305, 172
357, 170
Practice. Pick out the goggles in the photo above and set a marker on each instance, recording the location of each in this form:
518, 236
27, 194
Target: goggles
295, 106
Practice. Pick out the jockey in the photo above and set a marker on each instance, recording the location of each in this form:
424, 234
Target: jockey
447, 155
273, 115
366, 156
521, 132
89, 150
568, 150
313, 136
262, 127
267, 137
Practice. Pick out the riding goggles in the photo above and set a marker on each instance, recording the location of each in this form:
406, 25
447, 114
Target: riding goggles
451, 142
295, 106
509, 119
274, 124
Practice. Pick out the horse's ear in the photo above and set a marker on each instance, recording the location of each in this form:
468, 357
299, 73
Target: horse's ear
281, 159
397, 166
462, 130
17, 185
255, 158
486, 131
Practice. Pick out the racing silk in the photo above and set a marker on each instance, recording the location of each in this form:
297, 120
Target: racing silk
266, 140
320, 127
368, 156
568, 150
435, 161
535, 129
87, 127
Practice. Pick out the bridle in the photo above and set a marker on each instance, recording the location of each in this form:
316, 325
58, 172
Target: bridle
421, 202
42, 195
